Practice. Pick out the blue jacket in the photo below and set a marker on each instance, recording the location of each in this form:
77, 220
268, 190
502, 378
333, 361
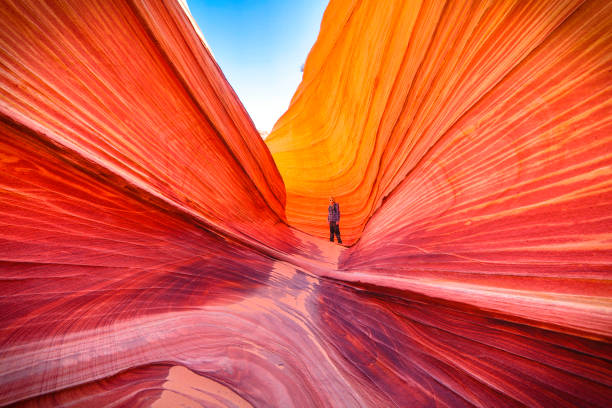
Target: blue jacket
333, 213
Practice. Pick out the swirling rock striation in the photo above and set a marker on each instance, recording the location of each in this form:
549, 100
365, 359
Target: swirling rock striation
145, 255
131, 87
386, 87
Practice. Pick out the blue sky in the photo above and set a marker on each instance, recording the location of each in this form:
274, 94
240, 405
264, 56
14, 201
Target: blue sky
260, 45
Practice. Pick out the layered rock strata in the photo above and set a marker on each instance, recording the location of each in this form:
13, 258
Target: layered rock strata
146, 258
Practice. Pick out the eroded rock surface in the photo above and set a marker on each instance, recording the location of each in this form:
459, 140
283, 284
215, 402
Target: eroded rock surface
146, 258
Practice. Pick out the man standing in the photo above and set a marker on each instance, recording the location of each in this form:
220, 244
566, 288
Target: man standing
333, 217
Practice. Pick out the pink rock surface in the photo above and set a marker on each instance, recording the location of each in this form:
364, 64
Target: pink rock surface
145, 257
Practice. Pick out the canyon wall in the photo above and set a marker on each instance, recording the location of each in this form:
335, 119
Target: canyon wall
495, 91
149, 255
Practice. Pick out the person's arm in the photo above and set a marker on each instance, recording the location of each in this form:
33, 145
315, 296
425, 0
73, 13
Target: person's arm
338, 211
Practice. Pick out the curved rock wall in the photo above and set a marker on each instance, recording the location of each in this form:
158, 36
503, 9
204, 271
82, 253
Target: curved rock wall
131, 87
513, 199
145, 258
387, 85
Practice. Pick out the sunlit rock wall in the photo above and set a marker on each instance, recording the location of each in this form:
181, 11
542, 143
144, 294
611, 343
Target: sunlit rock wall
492, 182
506, 97
144, 257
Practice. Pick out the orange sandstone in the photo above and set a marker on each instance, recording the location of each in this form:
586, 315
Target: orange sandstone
145, 256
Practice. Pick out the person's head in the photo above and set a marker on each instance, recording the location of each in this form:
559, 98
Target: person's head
331, 200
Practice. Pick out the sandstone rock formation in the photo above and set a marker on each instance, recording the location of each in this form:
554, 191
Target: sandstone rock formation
146, 258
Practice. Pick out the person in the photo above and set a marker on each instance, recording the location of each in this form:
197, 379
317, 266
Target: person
333, 217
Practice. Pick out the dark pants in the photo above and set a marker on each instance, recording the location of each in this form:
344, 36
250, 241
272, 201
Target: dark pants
334, 228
